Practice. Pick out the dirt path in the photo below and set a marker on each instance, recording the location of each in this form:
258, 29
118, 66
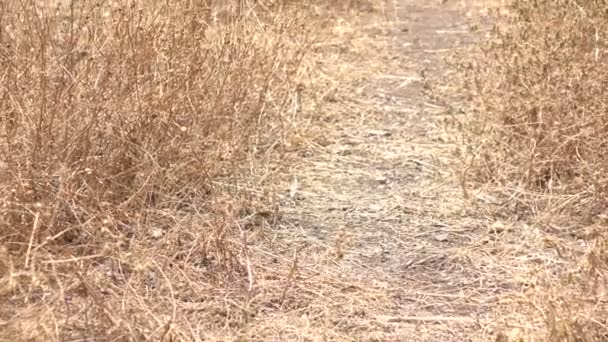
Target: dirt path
390, 251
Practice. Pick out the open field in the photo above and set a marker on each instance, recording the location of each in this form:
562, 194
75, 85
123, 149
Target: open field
302, 171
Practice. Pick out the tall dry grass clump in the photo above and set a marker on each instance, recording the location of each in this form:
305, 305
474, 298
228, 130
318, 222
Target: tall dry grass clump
538, 133
541, 100
116, 117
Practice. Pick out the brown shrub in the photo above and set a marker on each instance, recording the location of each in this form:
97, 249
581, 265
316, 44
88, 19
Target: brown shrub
539, 133
541, 98
118, 106
116, 119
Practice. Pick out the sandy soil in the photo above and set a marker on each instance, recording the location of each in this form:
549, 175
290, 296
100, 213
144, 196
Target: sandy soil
388, 249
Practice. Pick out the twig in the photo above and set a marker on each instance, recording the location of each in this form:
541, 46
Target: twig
290, 278
31, 242
72, 259
401, 319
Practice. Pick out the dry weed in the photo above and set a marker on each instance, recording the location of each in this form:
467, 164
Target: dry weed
537, 134
116, 119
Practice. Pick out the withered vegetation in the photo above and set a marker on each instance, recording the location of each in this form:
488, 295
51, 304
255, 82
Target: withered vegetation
536, 139
126, 129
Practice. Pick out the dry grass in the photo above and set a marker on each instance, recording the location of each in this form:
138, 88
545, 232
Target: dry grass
169, 174
536, 140
119, 119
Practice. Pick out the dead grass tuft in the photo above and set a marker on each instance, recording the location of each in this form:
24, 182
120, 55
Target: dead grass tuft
118, 121
537, 136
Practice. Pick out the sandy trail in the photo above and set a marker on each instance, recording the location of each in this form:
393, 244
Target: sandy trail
378, 217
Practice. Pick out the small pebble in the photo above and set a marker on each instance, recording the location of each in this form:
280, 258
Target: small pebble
442, 237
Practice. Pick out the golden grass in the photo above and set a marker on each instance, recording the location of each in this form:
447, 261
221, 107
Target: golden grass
141, 142
118, 121
536, 139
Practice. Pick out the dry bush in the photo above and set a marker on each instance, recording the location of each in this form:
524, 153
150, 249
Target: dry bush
116, 119
538, 135
540, 96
